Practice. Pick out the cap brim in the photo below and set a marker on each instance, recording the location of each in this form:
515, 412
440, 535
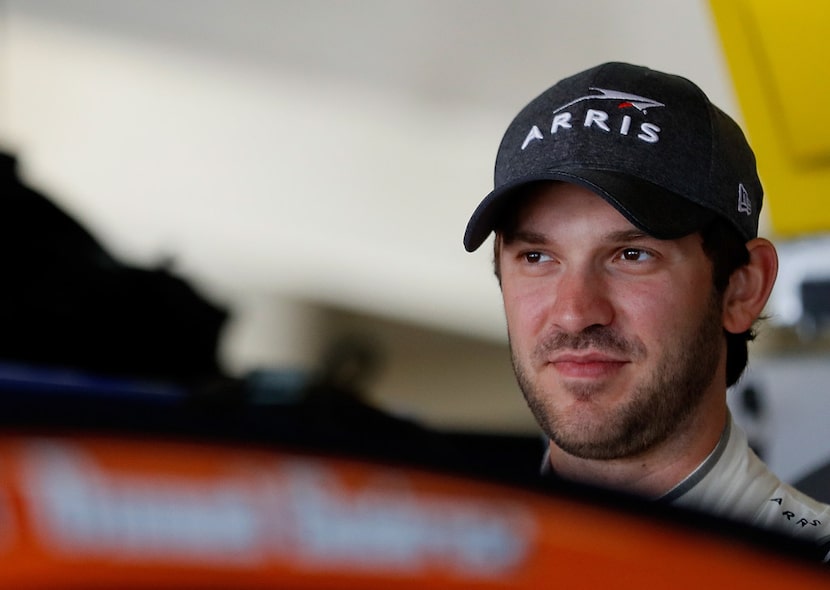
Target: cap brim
651, 208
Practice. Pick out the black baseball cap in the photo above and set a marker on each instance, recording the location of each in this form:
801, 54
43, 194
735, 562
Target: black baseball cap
649, 143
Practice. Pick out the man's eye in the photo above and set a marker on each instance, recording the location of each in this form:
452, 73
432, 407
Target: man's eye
635, 254
535, 257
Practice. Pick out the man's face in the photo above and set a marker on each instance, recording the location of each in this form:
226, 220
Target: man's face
616, 336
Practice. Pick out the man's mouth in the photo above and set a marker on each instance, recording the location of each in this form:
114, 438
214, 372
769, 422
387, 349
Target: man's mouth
587, 365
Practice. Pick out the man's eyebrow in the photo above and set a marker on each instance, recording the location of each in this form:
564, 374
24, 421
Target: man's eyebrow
627, 235
528, 237
531, 237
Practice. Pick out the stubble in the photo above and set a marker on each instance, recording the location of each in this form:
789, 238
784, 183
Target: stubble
660, 405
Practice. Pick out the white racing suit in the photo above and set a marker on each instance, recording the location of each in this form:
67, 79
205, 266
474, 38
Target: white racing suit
734, 483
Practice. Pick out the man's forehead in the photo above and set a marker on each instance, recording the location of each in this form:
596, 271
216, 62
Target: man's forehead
561, 202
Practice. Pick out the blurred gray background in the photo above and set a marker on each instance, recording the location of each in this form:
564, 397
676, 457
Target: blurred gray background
311, 164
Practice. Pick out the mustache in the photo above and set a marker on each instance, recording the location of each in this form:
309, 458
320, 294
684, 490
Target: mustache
599, 338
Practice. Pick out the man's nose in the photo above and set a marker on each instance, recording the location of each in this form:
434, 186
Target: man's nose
581, 300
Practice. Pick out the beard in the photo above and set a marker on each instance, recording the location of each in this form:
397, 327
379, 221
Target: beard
660, 405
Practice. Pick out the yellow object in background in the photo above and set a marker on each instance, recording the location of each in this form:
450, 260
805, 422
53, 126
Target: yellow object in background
779, 56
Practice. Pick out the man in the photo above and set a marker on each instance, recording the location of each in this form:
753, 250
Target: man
625, 213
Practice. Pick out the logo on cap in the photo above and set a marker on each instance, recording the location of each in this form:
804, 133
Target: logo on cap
641, 103
602, 120
744, 204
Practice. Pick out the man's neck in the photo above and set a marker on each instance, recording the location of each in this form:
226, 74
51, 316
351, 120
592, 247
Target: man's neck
654, 472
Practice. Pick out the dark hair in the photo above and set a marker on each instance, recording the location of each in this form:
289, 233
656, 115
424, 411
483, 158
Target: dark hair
727, 251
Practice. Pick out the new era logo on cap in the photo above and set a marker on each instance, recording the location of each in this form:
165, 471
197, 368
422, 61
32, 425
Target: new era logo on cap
744, 204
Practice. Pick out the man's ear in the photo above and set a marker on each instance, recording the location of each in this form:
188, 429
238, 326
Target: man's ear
750, 286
